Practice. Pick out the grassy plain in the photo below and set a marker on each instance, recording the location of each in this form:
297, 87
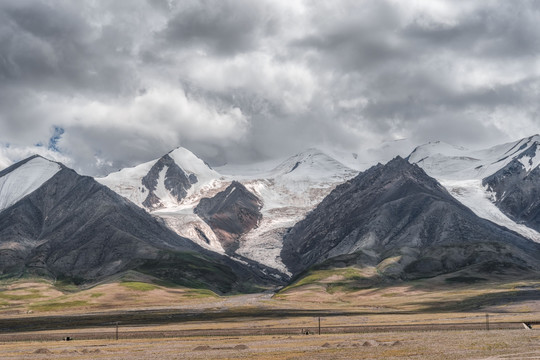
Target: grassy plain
411, 345
342, 299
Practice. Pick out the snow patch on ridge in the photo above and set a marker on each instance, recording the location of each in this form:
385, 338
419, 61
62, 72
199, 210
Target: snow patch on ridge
191, 164
128, 182
162, 193
476, 197
461, 172
187, 224
25, 179
443, 161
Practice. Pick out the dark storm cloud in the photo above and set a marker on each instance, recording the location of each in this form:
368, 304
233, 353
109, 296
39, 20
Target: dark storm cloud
411, 71
240, 81
359, 38
508, 30
55, 49
223, 27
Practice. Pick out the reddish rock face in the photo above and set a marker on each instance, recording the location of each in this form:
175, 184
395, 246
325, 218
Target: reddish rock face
231, 214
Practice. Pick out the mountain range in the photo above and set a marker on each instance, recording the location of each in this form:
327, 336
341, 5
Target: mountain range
441, 210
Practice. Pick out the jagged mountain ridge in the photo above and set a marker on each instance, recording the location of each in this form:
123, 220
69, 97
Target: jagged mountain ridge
286, 192
398, 219
484, 180
162, 183
170, 187
175, 181
274, 200
73, 227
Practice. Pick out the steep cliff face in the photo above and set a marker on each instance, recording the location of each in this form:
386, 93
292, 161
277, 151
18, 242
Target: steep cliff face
231, 214
404, 222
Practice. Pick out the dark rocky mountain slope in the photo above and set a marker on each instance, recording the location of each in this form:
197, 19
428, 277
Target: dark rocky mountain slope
400, 220
517, 188
72, 227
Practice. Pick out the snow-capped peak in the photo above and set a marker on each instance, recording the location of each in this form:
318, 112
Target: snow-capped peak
311, 164
190, 163
25, 177
162, 183
462, 171
437, 148
445, 161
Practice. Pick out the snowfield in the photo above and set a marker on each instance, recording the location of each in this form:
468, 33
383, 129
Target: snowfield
288, 190
461, 172
476, 197
25, 179
444, 161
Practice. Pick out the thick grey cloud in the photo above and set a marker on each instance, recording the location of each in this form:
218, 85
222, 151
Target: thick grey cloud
51, 47
241, 80
221, 27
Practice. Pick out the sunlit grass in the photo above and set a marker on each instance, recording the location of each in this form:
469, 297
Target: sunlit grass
54, 306
138, 286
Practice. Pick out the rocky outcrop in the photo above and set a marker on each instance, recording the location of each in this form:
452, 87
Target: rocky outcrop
231, 214
399, 219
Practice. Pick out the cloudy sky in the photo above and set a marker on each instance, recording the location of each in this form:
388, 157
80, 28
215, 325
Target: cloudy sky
104, 84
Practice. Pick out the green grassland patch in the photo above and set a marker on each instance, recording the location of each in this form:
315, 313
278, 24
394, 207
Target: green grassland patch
52, 306
350, 279
138, 286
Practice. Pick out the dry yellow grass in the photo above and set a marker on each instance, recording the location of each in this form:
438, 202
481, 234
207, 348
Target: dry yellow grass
30, 298
424, 302
421, 345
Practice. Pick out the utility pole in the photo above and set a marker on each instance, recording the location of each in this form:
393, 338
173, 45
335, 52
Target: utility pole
487, 322
319, 325
117, 330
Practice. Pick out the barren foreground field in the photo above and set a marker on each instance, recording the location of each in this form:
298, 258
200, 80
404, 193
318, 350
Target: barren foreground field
422, 320
512, 344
